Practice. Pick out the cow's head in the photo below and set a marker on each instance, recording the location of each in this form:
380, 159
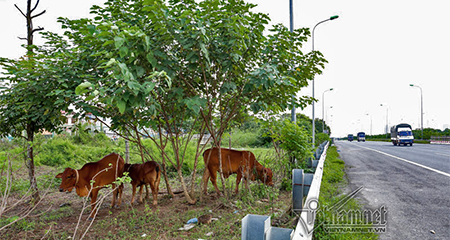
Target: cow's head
69, 179
267, 174
264, 174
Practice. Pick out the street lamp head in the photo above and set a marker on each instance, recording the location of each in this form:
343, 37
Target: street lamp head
412, 85
331, 89
334, 17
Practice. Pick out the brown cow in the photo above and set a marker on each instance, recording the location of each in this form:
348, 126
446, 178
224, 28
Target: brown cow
243, 163
101, 173
143, 174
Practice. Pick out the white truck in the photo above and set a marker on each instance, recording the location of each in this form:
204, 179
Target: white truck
402, 134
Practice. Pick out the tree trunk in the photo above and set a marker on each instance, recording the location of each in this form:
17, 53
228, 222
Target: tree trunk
194, 171
166, 179
127, 151
185, 190
30, 164
221, 172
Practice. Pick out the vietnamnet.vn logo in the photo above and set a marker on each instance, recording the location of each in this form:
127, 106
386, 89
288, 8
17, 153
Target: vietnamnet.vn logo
336, 219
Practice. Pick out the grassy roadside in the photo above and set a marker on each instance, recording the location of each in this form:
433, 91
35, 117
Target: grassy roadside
331, 192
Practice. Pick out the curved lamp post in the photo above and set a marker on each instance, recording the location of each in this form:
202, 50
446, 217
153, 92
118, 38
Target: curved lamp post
323, 108
421, 107
313, 117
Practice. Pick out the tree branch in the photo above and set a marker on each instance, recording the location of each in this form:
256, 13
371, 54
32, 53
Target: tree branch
37, 15
20, 10
37, 29
35, 6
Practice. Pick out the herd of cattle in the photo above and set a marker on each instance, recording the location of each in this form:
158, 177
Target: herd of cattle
93, 176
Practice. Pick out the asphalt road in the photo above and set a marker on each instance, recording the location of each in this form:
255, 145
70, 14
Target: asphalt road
411, 182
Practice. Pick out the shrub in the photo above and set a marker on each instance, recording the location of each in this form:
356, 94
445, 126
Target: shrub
56, 152
321, 137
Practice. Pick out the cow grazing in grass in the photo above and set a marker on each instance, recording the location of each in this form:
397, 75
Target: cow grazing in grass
243, 163
143, 174
92, 177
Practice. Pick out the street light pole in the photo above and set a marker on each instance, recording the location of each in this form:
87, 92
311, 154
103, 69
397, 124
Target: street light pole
370, 123
313, 117
387, 119
291, 29
421, 107
323, 108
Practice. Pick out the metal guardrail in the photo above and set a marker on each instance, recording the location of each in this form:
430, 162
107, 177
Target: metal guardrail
257, 227
305, 224
440, 140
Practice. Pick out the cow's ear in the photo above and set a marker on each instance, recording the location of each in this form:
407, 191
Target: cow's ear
59, 175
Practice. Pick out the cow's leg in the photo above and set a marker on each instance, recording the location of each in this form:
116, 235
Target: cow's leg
213, 177
154, 192
134, 193
238, 180
120, 191
115, 192
206, 177
140, 193
247, 177
94, 204
147, 194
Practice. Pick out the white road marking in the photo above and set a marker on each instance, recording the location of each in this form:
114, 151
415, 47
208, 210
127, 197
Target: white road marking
411, 162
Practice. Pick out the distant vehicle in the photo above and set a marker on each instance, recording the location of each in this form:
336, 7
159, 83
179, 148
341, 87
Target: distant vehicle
350, 137
402, 134
361, 136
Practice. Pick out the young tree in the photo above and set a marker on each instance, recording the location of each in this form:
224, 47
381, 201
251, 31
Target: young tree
19, 111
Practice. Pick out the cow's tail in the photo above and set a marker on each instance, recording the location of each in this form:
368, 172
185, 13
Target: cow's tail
158, 176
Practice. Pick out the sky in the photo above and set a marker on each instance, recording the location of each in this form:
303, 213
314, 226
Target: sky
375, 50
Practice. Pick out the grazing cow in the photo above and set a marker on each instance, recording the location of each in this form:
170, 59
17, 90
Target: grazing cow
143, 174
92, 177
243, 163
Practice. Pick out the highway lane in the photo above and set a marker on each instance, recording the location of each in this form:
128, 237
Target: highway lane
412, 183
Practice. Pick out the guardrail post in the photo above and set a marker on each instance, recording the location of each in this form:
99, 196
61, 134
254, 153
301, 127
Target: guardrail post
307, 180
254, 227
312, 163
297, 190
276, 233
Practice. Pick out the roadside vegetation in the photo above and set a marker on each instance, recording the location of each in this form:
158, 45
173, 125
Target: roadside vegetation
61, 215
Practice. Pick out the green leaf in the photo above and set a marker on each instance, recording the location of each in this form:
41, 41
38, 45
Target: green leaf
121, 105
123, 51
118, 42
82, 88
108, 43
149, 86
91, 28
151, 59
204, 50
140, 71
